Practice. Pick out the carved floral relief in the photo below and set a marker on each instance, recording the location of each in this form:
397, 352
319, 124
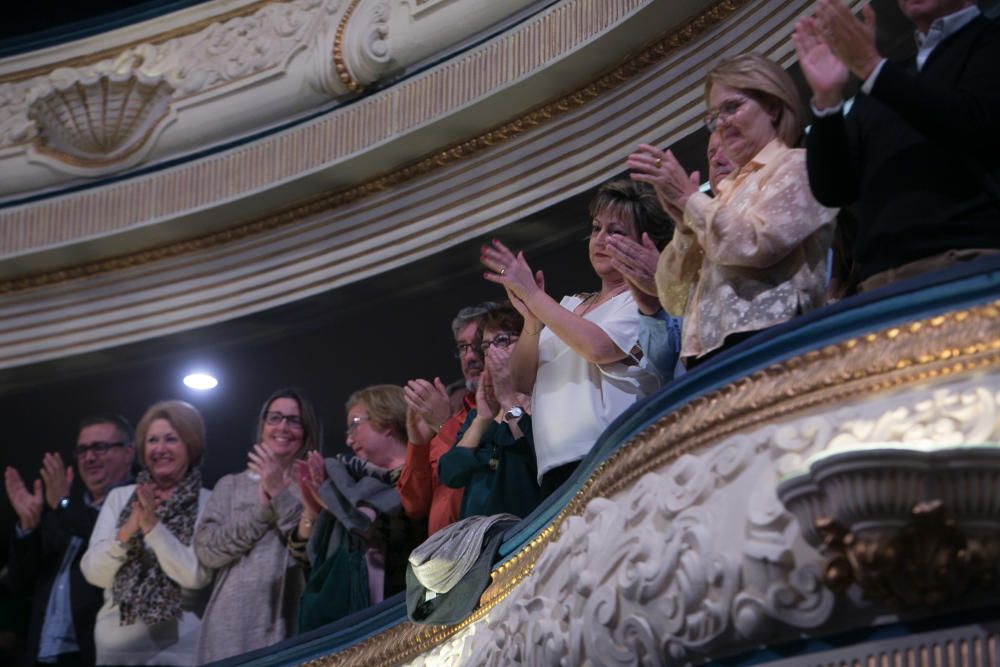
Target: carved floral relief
700, 558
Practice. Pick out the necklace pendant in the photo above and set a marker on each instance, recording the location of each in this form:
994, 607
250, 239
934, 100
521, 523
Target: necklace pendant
494, 462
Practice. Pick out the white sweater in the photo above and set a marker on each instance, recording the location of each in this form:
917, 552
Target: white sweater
167, 643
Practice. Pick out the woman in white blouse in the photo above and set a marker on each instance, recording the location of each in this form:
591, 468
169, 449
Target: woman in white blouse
141, 550
756, 254
579, 358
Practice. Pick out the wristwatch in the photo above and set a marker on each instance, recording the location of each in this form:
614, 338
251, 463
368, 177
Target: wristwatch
515, 413
63, 502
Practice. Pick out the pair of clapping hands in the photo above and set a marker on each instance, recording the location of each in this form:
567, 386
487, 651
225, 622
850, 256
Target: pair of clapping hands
634, 260
428, 406
54, 484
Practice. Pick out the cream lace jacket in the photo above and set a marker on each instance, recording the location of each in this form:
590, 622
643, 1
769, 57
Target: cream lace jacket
753, 257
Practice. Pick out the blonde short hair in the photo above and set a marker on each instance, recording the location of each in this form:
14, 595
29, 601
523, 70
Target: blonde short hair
765, 81
184, 418
385, 405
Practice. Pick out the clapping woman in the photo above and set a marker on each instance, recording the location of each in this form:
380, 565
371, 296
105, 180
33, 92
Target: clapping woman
244, 531
579, 358
353, 535
756, 254
141, 550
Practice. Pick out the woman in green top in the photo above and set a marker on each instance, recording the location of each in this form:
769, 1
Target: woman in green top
493, 458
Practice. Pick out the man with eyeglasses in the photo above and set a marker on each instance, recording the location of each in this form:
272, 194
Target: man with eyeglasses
431, 427
52, 533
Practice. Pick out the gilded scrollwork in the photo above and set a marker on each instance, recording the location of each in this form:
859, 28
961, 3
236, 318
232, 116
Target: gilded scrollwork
927, 562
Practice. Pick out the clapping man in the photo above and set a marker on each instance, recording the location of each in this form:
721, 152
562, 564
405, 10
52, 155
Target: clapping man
431, 427
52, 532
920, 147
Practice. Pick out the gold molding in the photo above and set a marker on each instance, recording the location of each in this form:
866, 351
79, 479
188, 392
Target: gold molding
339, 64
894, 358
648, 57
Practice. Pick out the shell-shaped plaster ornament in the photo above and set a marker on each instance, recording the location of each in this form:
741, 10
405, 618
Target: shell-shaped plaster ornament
99, 119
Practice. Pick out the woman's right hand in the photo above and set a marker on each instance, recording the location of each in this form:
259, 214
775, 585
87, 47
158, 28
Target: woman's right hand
509, 270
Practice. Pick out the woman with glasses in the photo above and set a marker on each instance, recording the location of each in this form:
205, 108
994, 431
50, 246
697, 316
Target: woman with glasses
141, 550
493, 458
579, 358
244, 531
353, 536
756, 254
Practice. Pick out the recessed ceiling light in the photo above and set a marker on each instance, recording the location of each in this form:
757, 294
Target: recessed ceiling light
200, 381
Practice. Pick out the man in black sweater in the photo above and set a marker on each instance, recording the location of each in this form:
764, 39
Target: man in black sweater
920, 147
53, 529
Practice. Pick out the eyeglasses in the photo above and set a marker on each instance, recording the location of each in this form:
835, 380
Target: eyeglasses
274, 418
462, 349
500, 340
99, 448
724, 111
355, 423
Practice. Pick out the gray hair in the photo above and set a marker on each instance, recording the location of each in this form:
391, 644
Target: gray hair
471, 314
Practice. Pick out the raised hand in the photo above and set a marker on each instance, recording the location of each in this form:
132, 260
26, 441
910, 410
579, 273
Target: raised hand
672, 184
310, 499
27, 504
265, 465
144, 508
498, 367
530, 321
418, 432
636, 262
57, 478
509, 270
851, 40
429, 401
824, 71
486, 401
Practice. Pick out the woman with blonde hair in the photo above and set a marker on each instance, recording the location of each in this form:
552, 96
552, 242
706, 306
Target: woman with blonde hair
756, 254
244, 531
141, 550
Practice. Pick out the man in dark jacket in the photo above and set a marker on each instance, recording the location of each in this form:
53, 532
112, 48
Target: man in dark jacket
51, 536
920, 147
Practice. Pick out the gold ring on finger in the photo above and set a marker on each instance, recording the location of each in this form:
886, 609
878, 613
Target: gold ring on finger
659, 162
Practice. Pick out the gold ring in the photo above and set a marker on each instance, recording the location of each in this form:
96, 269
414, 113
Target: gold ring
502, 269
659, 163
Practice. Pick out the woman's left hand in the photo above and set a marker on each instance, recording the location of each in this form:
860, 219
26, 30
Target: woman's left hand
310, 475
265, 464
635, 261
145, 507
661, 169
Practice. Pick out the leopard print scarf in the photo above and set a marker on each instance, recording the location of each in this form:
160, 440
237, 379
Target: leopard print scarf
141, 589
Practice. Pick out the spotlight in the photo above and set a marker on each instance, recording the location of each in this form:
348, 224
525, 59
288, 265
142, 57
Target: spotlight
200, 381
